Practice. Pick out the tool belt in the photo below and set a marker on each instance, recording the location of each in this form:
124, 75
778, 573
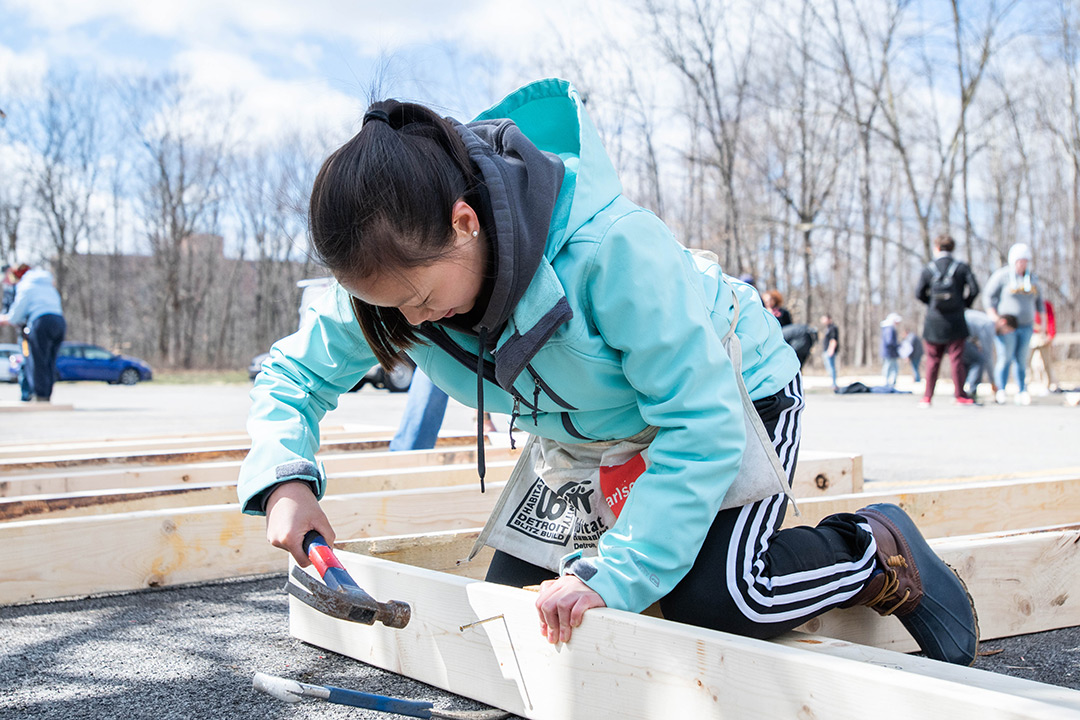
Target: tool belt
561, 497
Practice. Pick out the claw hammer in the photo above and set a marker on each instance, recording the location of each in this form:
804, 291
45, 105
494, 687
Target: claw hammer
341, 597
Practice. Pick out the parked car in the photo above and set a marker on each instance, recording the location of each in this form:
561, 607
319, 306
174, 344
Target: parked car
8, 370
396, 381
83, 361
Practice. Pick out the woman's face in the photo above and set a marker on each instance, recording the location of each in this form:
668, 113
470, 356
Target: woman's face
1021, 266
445, 288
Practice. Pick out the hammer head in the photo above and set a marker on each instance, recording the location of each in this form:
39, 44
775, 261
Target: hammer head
352, 604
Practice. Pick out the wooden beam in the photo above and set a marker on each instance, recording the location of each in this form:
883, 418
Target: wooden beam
483, 641
963, 508
160, 442
9, 406
205, 454
1022, 582
100, 501
44, 559
177, 545
81, 504
337, 465
820, 474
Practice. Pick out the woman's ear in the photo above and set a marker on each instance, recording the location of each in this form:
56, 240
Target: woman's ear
464, 220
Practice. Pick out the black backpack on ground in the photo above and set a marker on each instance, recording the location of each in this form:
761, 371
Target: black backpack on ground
945, 297
801, 338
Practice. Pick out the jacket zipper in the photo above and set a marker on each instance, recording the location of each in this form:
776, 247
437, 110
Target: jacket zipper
539, 383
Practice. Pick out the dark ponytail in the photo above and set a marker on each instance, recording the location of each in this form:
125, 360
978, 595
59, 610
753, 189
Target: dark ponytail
381, 203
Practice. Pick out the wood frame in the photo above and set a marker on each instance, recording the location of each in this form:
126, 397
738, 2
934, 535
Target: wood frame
129, 551
482, 641
336, 465
161, 442
228, 451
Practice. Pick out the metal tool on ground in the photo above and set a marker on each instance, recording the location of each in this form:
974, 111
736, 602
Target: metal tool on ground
291, 691
341, 597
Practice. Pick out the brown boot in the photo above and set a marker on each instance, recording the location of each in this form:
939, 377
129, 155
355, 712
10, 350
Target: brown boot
919, 588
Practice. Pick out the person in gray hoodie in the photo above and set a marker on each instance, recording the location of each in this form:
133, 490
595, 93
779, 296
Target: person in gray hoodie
37, 306
1013, 290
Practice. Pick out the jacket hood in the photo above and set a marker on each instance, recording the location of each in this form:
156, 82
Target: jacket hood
37, 276
522, 184
551, 114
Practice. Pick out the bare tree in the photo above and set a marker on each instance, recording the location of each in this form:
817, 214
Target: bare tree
185, 138
862, 66
67, 141
696, 38
805, 130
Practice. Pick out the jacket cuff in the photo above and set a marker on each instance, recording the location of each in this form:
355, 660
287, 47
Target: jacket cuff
298, 470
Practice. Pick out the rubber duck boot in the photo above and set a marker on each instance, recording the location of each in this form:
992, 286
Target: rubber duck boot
914, 584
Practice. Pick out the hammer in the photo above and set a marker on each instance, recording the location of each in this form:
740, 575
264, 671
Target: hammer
291, 691
341, 597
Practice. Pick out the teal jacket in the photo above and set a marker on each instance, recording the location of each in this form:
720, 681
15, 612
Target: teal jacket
637, 344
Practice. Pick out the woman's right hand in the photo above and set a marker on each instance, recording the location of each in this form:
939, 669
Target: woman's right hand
291, 511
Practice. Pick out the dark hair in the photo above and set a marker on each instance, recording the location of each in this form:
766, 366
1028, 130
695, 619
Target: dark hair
382, 203
1011, 321
944, 243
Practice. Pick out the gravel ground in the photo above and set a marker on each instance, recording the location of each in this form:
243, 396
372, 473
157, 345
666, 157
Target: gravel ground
190, 652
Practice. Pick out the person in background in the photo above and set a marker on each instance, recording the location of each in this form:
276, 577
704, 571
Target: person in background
979, 347
1014, 290
774, 301
830, 347
1042, 342
947, 287
911, 349
890, 349
37, 306
425, 408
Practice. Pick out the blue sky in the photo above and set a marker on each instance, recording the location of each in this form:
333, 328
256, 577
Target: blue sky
279, 53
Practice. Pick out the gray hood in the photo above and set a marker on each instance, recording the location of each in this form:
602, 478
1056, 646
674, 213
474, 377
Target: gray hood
522, 183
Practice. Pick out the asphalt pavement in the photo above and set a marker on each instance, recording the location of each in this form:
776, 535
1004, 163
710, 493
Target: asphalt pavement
190, 652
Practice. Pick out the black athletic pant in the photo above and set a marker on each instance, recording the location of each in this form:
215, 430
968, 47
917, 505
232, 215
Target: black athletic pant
46, 334
750, 578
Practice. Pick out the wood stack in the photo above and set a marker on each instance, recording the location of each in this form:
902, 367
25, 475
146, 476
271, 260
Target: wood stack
124, 514
120, 515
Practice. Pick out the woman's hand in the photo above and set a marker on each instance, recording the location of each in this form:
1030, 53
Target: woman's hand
562, 604
292, 510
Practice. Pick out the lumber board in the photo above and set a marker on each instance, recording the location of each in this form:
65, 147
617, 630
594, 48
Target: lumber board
80, 504
100, 501
45, 559
1022, 582
964, 508
7, 406
336, 465
820, 474
482, 641
205, 454
353, 515
159, 442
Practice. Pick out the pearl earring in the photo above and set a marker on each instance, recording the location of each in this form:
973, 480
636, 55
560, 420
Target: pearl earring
476, 233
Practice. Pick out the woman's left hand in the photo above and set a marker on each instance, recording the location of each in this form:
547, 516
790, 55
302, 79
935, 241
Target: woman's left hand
562, 604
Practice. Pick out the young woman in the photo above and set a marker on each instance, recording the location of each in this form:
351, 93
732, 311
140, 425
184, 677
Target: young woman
662, 401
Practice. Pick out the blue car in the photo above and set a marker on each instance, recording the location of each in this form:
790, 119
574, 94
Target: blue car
83, 361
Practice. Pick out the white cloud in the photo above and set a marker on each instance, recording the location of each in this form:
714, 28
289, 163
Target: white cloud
268, 109
21, 73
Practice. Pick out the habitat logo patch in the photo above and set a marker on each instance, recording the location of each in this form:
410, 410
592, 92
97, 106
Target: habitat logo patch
543, 515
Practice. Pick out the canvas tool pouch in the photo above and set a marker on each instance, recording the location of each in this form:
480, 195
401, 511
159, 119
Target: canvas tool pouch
561, 497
